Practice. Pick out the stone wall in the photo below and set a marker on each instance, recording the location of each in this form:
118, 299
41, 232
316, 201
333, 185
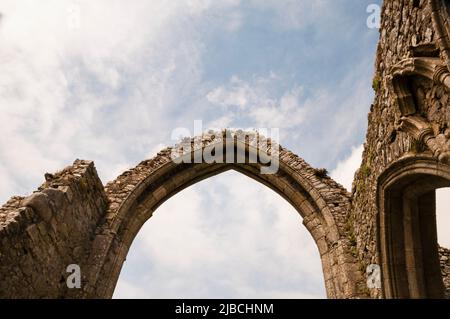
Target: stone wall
136, 193
407, 31
42, 234
73, 219
445, 266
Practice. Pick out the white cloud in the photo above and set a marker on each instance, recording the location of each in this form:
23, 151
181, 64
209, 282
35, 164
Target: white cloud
127, 290
260, 106
239, 94
109, 88
101, 91
287, 113
220, 122
443, 216
103, 88
225, 237
344, 172
313, 120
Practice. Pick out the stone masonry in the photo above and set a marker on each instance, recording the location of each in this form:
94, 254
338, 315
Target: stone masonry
412, 32
387, 222
445, 266
44, 233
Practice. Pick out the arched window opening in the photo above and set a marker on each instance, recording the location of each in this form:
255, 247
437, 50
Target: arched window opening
246, 243
443, 230
412, 260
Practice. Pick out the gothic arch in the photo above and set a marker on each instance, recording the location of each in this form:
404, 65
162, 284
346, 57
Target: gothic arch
407, 236
136, 194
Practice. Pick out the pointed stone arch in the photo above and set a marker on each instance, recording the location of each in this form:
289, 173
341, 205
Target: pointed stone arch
137, 193
407, 235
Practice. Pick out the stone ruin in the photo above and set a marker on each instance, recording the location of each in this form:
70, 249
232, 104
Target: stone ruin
386, 226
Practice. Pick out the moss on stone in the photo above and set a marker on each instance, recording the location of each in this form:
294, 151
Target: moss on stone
376, 83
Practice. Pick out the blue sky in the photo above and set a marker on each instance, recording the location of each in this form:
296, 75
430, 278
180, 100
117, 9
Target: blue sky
110, 81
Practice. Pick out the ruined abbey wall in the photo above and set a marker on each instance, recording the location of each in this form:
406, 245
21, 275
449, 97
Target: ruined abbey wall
386, 221
42, 234
407, 31
73, 219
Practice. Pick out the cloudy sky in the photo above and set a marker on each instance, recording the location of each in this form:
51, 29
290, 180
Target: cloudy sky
110, 81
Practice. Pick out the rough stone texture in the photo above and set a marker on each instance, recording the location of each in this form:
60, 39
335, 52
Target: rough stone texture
407, 31
72, 219
388, 220
44, 233
445, 266
134, 196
